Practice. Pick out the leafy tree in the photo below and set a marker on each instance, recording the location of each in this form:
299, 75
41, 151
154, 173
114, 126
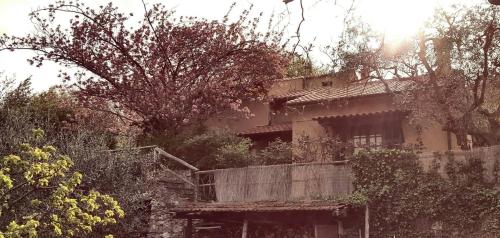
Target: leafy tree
453, 64
83, 135
162, 74
39, 197
459, 56
216, 149
55, 110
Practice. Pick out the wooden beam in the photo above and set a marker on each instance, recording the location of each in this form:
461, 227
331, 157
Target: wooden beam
339, 162
188, 230
282, 217
178, 176
182, 162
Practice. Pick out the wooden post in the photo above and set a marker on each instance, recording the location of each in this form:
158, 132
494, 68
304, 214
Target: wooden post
448, 139
188, 230
367, 222
196, 181
340, 229
244, 232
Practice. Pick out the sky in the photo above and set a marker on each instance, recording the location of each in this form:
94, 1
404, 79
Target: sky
397, 18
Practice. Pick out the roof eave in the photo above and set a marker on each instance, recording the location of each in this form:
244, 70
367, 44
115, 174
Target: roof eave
335, 99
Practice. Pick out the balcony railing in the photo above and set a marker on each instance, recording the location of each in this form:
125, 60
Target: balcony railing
300, 181
288, 182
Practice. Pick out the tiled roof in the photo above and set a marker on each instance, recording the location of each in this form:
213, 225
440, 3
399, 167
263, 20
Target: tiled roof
267, 129
271, 206
361, 114
350, 91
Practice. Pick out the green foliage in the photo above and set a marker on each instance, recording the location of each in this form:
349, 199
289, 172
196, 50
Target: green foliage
82, 136
121, 173
277, 152
216, 149
39, 195
324, 148
406, 201
21, 110
301, 66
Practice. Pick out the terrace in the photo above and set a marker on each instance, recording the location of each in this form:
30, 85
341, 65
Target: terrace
275, 194
278, 183
300, 193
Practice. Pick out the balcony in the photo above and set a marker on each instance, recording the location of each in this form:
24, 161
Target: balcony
300, 194
277, 183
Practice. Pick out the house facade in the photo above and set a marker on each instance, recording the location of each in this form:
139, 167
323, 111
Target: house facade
302, 199
363, 114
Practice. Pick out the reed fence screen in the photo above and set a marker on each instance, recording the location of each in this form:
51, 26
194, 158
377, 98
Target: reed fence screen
290, 182
314, 181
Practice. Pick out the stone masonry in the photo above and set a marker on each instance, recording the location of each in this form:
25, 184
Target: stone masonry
167, 192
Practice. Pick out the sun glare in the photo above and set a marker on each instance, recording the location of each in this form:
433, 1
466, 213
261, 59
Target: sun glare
398, 19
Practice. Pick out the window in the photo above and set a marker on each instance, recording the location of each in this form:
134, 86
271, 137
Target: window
362, 132
375, 134
371, 141
367, 136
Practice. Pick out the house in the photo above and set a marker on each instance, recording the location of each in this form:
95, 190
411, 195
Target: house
297, 200
362, 113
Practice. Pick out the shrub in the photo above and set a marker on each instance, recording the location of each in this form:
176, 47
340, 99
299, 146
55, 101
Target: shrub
83, 138
216, 149
39, 195
277, 152
325, 148
406, 201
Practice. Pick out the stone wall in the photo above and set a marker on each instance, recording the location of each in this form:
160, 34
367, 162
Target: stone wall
167, 191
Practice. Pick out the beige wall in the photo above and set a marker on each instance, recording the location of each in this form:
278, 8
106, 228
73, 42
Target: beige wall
295, 84
337, 80
283, 116
287, 85
433, 137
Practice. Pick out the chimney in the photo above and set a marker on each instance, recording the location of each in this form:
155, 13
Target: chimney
365, 72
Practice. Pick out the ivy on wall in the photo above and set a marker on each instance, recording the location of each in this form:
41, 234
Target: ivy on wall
406, 201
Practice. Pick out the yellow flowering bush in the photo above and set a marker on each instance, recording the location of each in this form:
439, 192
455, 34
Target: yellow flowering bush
39, 195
